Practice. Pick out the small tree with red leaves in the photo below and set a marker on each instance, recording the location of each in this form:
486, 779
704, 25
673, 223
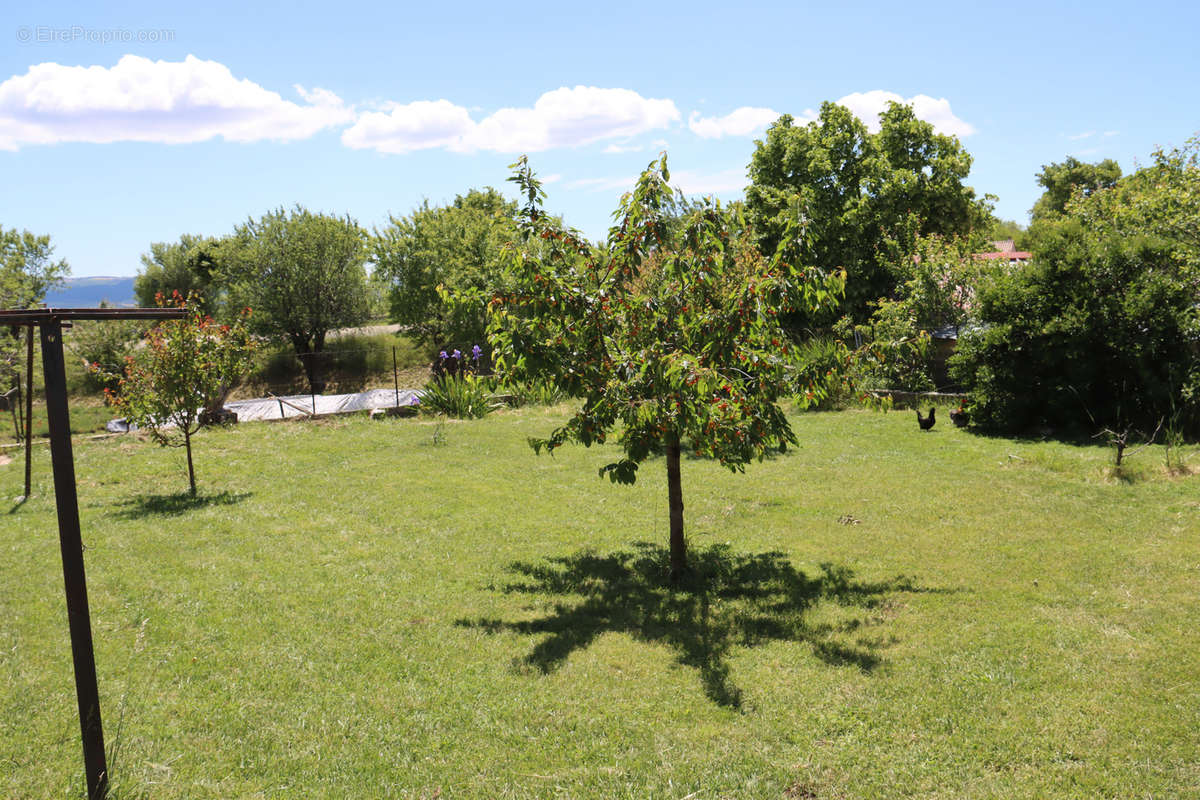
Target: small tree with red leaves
186, 368
669, 333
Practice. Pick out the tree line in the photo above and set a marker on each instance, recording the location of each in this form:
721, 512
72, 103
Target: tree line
892, 209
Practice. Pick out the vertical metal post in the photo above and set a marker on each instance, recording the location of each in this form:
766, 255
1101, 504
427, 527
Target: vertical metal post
20, 409
29, 413
14, 405
395, 376
78, 616
312, 392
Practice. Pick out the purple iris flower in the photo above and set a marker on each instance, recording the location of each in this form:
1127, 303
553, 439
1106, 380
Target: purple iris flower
416, 401
457, 354
442, 355
476, 352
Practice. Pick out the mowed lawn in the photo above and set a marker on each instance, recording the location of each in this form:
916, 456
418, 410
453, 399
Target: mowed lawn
407, 609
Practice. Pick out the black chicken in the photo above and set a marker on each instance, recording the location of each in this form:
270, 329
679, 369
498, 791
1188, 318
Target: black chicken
959, 416
926, 422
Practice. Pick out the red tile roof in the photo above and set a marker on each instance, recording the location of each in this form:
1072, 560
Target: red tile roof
1012, 255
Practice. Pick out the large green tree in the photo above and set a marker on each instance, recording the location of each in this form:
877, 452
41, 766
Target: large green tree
304, 275
1063, 179
195, 266
28, 270
458, 246
866, 196
669, 334
1102, 330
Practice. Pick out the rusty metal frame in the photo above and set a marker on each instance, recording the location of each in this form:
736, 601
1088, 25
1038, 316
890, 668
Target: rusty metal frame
50, 321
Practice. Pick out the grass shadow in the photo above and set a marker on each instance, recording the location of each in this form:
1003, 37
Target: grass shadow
174, 505
1070, 437
727, 600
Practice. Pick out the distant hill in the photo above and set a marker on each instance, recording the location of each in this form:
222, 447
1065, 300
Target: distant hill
90, 292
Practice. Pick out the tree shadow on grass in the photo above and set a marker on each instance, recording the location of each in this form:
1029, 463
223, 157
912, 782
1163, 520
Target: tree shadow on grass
727, 600
174, 505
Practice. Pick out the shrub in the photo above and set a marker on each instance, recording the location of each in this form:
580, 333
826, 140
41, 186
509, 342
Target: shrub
823, 377
107, 343
937, 283
895, 354
1095, 334
1102, 331
534, 393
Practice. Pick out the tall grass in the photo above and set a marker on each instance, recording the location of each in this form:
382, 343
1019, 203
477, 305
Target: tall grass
349, 363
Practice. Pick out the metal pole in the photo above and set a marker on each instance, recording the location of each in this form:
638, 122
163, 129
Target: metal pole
29, 413
14, 405
395, 376
312, 392
71, 543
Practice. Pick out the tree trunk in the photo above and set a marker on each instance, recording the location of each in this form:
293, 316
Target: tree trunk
187, 443
309, 353
675, 502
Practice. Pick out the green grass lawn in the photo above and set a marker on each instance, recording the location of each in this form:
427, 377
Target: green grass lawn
402, 609
88, 415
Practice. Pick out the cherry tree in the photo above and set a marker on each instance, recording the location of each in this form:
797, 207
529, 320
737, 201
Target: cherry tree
669, 333
186, 368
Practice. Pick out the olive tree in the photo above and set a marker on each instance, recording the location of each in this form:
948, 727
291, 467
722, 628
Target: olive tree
304, 274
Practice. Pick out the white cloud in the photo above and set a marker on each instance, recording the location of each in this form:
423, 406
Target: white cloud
1085, 135
743, 121
867, 106
1112, 133
414, 126
141, 100
560, 118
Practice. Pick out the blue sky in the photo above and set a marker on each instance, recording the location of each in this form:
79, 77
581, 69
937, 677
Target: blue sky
190, 120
